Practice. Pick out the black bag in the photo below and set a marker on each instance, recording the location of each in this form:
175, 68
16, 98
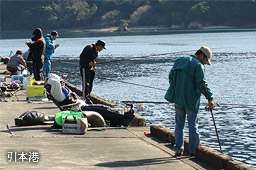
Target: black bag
70, 99
30, 118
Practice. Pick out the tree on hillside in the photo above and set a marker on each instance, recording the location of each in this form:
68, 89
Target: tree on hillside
70, 13
135, 16
55, 14
111, 18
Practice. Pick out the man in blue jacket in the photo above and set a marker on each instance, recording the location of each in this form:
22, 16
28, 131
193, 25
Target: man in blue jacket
187, 82
49, 50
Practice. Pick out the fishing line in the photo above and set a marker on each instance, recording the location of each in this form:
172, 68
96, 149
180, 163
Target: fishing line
160, 102
111, 61
131, 83
231, 106
120, 81
72, 62
127, 59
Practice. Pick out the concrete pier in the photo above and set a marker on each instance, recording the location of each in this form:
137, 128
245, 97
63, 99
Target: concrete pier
119, 148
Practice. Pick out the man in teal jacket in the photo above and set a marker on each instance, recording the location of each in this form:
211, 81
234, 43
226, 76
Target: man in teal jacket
49, 50
187, 82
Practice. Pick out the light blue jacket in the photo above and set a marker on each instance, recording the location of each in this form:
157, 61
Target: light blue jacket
187, 82
50, 45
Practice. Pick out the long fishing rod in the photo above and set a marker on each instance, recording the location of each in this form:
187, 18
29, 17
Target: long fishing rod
133, 101
59, 61
131, 83
127, 59
112, 61
61, 72
156, 102
207, 96
160, 102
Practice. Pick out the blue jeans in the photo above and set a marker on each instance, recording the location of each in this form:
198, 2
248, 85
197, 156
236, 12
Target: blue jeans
47, 65
46, 68
180, 118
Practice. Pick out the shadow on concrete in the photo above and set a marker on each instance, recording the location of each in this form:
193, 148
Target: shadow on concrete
27, 128
156, 139
133, 163
185, 154
45, 108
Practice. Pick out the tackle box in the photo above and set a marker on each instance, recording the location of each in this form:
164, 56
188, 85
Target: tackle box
35, 91
18, 77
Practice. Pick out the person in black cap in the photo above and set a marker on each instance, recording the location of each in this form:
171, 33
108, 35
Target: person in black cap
49, 50
36, 54
87, 67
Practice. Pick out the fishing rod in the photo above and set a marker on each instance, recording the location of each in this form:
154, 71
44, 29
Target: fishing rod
160, 102
132, 83
133, 101
61, 72
127, 59
207, 96
59, 61
112, 61
157, 102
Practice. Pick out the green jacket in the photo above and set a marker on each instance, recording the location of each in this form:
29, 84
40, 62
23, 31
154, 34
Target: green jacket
187, 82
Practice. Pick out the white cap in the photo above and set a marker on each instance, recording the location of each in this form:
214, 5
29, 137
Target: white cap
208, 52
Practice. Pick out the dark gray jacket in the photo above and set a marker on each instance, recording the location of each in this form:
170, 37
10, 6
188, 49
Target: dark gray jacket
16, 61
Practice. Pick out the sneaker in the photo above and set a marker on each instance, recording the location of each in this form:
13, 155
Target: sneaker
88, 100
128, 117
129, 113
178, 153
193, 153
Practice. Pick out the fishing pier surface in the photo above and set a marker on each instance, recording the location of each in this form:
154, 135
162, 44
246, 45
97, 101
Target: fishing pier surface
135, 147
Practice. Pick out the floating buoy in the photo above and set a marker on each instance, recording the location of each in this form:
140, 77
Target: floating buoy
64, 76
140, 107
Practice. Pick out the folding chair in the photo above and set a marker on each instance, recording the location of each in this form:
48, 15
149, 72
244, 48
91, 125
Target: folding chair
9, 93
74, 106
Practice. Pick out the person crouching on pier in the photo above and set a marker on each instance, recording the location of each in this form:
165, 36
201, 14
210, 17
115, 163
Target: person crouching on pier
16, 62
187, 82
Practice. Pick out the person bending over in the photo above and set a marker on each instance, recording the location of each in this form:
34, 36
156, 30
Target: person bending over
88, 65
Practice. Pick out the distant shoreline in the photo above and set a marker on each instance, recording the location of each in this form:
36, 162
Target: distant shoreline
112, 31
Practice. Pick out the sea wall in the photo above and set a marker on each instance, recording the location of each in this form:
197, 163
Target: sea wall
206, 154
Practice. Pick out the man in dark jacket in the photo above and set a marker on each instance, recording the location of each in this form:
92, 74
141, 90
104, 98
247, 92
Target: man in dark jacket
37, 49
87, 67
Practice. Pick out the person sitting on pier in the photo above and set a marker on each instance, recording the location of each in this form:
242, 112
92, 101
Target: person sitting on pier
16, 62
63, 96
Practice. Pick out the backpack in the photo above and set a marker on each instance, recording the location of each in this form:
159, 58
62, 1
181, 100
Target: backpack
30, 118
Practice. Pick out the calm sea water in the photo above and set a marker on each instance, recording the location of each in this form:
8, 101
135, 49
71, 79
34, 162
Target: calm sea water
232, 79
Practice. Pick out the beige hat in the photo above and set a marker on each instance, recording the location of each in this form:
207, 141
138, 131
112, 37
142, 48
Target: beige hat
208, 52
